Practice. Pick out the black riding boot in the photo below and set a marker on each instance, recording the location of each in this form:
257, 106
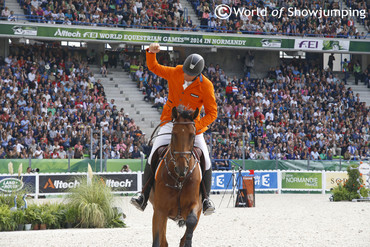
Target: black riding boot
148, 180
208, 207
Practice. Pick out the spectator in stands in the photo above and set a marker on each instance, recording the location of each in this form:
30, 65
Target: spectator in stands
103, 70
135, 154
38, 153
5, 13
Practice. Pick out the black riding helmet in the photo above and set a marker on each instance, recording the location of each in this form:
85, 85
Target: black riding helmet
193, 65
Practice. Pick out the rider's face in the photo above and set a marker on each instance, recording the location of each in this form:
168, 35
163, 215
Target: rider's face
188, 77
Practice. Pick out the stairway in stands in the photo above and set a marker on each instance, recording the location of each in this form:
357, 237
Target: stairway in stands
360, 89
13, 5
193, 16
119, 86
359, 25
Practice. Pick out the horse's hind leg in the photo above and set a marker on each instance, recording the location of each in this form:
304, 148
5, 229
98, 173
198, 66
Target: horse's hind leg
191, 223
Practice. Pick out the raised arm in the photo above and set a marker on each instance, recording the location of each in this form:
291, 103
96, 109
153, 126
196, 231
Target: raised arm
153, 65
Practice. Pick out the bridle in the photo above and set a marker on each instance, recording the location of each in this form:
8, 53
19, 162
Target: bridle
175, 155
185, 154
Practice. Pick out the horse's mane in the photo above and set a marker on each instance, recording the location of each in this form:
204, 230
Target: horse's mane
185, 112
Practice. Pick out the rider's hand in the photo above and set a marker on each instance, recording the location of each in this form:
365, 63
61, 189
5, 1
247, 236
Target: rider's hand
154, 48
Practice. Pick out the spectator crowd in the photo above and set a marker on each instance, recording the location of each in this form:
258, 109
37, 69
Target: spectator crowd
265, 23
171, 15
53, 107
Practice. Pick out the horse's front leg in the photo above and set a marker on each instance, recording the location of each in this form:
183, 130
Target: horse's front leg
191, 223
159, 229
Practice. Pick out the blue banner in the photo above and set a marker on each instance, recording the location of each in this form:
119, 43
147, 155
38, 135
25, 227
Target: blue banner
262, 180
265, 180
222, 181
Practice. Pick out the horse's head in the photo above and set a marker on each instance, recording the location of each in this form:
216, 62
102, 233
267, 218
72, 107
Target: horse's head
183, 137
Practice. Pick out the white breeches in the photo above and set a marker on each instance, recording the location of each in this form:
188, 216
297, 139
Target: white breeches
166, 139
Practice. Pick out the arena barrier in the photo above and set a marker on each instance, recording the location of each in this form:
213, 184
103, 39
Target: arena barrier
264, 180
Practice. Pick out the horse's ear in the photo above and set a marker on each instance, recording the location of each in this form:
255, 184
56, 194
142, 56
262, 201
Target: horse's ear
174, 113
195, 114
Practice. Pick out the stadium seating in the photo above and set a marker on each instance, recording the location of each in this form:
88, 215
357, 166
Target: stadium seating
169, 15
52, 105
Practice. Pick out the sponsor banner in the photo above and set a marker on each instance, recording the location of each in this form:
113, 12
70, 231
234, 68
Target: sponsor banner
125, 182
301, 180
144, 37
321, 45
308, 44
174, 38
265, 180
9, 184
222, 181
60, 183
335, 45
276, 43
334, 178
25, 30
364, 169
262, 180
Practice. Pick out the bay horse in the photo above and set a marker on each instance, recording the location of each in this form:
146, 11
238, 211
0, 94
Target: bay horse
176, 191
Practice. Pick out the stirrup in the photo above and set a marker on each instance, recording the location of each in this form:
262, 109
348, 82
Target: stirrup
139, 202
210, 207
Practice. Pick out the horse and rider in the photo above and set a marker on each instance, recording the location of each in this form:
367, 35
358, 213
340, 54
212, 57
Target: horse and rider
188, 87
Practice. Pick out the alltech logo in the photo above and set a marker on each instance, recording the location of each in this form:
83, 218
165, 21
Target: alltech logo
112, 183
58, 183
120, 182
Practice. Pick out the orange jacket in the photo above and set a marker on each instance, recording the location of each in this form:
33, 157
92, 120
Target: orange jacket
199, 93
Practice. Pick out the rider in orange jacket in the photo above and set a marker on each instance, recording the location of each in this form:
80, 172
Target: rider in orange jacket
187, 87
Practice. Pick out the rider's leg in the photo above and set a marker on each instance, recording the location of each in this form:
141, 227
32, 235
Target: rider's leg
148, 180
208, 207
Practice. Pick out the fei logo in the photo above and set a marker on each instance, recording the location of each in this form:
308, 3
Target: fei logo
222, 11
306, 44
309, 44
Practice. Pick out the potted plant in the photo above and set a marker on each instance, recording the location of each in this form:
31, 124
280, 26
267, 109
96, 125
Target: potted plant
47, 218
57, 217
93, 201
29, 218
19, 219
33, 216
7, 222
70, 216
